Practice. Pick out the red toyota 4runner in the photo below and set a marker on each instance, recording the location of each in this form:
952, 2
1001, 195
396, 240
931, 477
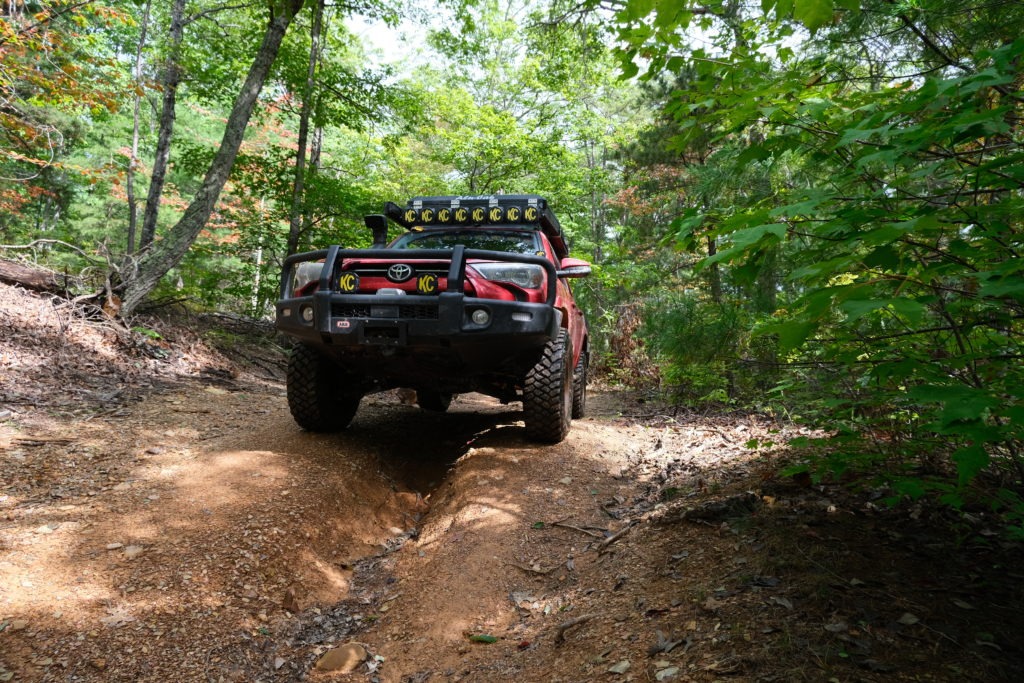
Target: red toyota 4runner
473, 296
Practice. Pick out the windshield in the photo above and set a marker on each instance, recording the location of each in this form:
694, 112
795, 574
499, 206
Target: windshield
514, 242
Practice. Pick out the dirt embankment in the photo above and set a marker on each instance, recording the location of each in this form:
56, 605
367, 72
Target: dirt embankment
162, 519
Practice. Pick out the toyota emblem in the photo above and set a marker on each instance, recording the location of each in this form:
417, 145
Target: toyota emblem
399, 272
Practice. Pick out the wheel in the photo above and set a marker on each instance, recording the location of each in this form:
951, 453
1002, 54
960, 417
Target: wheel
320, 395
547, 392
434, 401
579, 386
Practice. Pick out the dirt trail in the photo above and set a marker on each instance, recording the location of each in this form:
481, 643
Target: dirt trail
161, 544
163, 519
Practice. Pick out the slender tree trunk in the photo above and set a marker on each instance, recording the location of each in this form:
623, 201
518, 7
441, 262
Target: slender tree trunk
714, 274
295, 214
168, 252
316, 149
133, 161
169, 82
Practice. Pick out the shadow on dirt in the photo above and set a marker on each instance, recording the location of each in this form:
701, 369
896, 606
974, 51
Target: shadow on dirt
416, 448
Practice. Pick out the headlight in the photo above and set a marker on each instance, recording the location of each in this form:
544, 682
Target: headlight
304, 273
525, 275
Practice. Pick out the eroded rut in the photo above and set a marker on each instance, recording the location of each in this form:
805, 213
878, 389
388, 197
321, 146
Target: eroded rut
201, 535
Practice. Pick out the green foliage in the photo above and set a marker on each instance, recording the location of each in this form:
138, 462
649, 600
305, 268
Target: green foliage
705, 351
893, 212
52, 75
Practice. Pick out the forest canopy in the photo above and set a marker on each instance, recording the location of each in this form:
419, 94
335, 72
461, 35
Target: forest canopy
804, 207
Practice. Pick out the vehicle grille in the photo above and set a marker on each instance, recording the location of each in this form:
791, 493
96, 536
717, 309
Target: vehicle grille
349, 311
405, 311
381, 271
418, 312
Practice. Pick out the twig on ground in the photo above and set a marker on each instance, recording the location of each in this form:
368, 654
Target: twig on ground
603, 545
588, 532
566, 625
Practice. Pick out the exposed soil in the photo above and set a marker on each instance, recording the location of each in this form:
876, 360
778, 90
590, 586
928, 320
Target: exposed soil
163, 519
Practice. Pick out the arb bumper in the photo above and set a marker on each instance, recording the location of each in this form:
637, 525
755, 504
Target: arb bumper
449, 319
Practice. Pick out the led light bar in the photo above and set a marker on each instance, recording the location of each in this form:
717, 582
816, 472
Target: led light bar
529, 210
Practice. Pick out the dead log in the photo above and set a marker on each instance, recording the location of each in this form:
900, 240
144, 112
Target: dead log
34, 277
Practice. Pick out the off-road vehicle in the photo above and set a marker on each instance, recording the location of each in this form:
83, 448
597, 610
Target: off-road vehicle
472, 296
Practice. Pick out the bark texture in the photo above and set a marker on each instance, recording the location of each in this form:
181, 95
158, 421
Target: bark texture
296, 214
170, 81
156, 261
33, 277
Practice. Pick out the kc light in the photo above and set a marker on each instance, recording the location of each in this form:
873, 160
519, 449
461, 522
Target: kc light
525, 275
480, 317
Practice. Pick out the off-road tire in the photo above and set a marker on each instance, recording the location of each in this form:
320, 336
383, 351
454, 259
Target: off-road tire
579, 386
320, 396
433, 401
547, 392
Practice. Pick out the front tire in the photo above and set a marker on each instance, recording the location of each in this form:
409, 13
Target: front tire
579, 386
547, 392
321, 397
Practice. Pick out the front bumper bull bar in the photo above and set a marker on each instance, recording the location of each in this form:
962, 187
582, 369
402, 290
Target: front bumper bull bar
445, 319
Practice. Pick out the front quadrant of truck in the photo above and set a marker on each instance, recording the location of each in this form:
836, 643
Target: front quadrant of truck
474, 295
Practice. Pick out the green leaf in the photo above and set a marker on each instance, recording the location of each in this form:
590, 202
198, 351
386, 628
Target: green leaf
884, 258
886, 156
744, 239
483, 638
629, 69
813, 13
638, 9
858, 134
1012, 287
858, 308
911, 486
970, 460
669, 14
809, 204
791, 334
823, 268
959, 403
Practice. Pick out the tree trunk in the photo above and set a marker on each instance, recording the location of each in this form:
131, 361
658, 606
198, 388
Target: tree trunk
170, 80
295, 215
133, 161
714, 274
168, 252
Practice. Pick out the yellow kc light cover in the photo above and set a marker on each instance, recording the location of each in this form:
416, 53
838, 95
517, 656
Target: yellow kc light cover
348, 282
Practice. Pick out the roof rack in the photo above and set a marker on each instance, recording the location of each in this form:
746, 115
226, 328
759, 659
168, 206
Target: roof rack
481, 210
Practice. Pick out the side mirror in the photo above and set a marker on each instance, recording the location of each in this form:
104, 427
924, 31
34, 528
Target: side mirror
573, 267
378, 225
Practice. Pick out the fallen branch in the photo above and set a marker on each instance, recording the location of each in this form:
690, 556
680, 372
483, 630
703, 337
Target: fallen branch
34, 442
588, 532
566, 625
33, 277
603, 545
34, 243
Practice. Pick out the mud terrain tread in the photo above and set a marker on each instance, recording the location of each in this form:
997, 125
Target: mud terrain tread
547, 409
579, 386
316, 395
